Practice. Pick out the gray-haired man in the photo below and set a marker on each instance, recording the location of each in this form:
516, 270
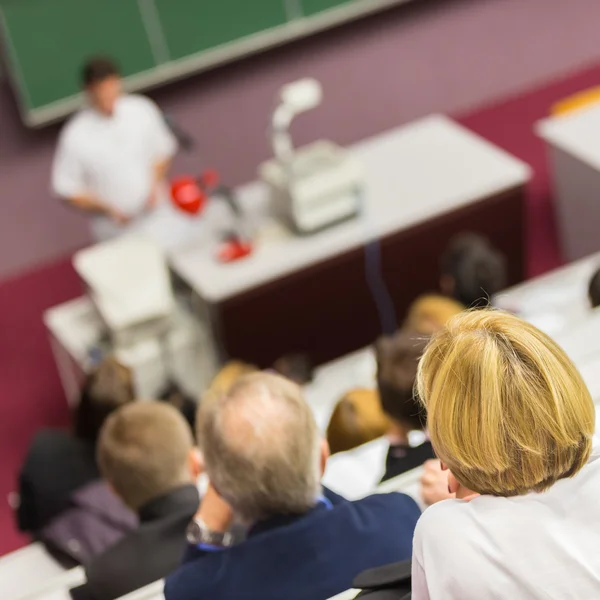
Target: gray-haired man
265, 457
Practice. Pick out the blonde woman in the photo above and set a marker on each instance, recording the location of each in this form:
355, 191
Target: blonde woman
511, 419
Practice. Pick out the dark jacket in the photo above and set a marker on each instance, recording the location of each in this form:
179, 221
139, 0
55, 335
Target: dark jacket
149, 553
308, 557
401, 459
390, 582
57, 464
96, 520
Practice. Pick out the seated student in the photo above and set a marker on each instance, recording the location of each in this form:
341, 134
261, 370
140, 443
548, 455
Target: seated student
60, 462
512, 420
429, 313
397, 361
472, 270
227, 376
594, 289
146, 454
356, 419
358, 416
264, 457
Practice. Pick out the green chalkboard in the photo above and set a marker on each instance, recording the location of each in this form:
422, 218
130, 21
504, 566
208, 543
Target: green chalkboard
191, 26
310, 7
49, 39
154, 41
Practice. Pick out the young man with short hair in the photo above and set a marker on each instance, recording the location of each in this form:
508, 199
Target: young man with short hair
146, 454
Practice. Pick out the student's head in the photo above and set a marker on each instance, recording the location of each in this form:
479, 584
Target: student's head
508, 412
262, 450
594, 289
107, 388
397, 362
227, 376
101, 80
472, 270
430, 313
356, 419
145, 451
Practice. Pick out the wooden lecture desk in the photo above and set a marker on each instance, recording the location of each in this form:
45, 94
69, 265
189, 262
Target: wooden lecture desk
425, 182
574, 156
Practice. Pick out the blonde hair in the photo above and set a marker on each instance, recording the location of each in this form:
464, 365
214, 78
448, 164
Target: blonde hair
357, 419
508, 412
428, 314
226, 377
261, 447
143, 451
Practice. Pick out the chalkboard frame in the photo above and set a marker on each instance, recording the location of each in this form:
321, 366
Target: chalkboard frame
172, 70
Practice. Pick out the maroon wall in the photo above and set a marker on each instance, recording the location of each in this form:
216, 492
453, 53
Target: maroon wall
430, 55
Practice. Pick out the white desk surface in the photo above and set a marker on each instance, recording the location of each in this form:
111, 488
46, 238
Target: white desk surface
413, 173
576, 133
555, 300
24, 571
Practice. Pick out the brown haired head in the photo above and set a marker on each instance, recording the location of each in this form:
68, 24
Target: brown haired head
144, 451
107, 388
397, 361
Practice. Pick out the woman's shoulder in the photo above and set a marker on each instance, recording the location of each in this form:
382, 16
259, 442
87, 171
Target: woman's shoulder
444, 518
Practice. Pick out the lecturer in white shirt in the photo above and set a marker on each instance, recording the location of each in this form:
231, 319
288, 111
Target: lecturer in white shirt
512, 420
112, 160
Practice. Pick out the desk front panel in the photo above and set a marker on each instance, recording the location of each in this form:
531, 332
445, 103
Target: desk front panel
327, 310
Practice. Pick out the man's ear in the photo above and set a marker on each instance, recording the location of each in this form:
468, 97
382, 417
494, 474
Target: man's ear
325, 453
195, 463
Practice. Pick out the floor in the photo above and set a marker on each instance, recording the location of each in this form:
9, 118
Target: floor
30, 392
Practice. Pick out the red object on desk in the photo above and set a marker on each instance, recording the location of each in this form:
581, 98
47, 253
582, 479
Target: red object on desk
210, 179
187, 195
232, 250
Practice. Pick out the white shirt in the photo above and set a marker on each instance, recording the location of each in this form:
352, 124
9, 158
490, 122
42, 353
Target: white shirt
113, 158
539, 546
356, 473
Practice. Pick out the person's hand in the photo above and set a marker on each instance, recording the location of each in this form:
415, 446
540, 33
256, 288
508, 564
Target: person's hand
153, 198
119, 217
434, 483
214, 511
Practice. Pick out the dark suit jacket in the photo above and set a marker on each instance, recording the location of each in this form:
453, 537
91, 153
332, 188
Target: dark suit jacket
304, 557
57, 464
146, 555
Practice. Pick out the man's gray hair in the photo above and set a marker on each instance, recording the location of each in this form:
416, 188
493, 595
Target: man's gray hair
261, 447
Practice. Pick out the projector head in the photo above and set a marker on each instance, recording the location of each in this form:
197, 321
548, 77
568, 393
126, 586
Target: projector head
301, 96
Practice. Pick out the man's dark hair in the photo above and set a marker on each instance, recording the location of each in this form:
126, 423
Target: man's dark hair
107, 388
594, 289
97, 69
397, 361
477, 269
